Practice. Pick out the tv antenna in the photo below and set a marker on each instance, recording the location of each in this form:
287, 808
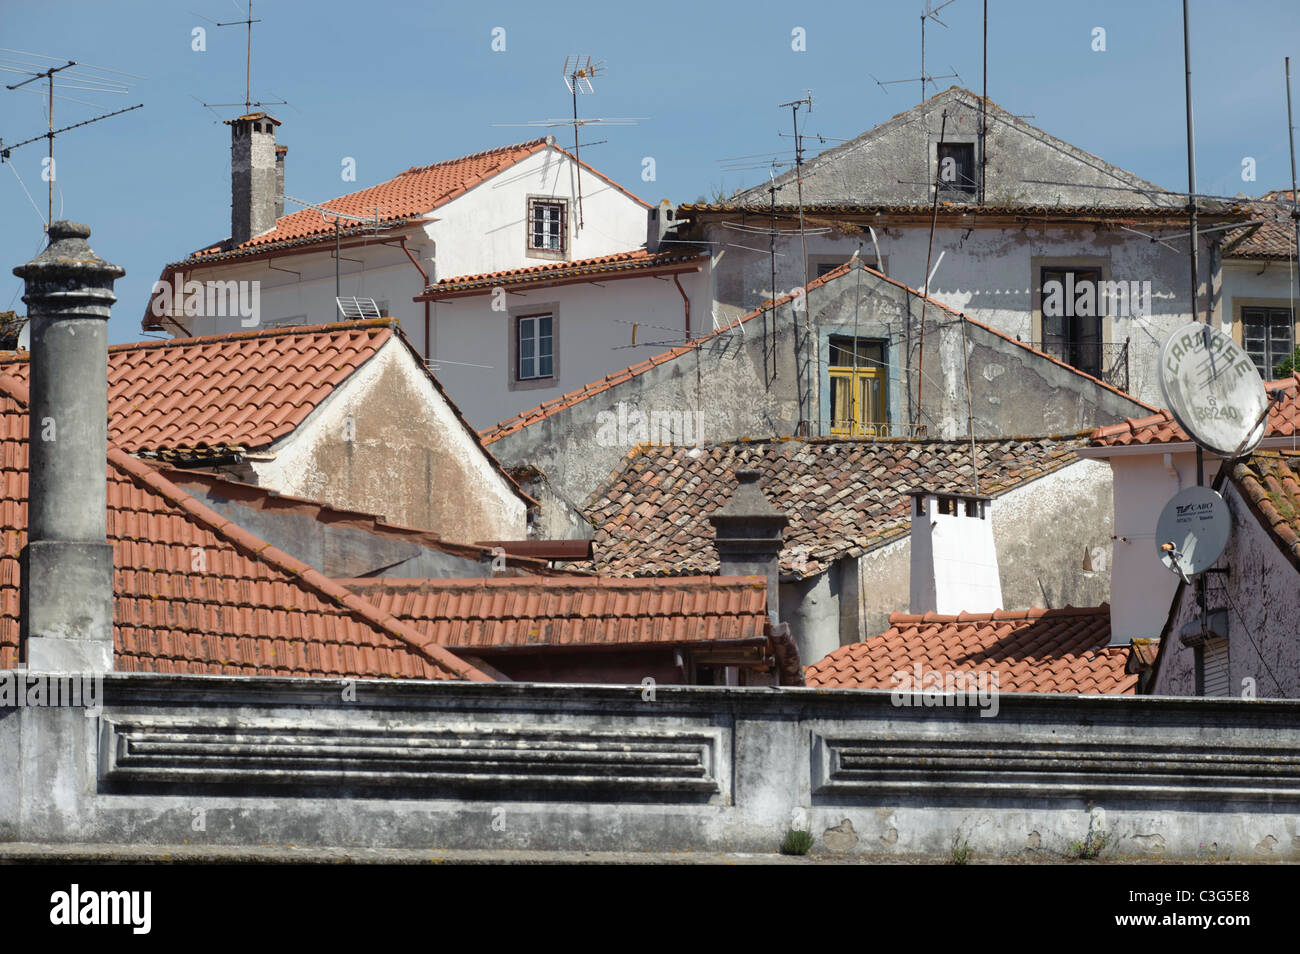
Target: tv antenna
929, 13
337, 219
94, 79
248, 22
578, 73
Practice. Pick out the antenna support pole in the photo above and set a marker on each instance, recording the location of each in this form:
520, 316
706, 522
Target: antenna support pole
1191, 197
1290, 135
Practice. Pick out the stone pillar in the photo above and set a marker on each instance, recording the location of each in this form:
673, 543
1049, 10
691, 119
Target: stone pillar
67, 587
750, 535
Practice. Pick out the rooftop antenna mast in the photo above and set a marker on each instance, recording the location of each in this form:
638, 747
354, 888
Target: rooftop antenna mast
929, 13
248, 103
95, 79
578, 74
336, 219
808, 338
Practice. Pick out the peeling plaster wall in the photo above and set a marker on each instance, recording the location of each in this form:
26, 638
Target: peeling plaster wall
409, 459
989, 274
1262, 597
725, 383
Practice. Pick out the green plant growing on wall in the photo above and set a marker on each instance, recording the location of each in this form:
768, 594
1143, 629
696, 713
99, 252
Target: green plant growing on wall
797, 842
960, 850
1289, 366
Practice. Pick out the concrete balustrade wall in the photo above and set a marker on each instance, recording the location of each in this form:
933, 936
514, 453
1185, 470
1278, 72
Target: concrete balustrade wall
402, 764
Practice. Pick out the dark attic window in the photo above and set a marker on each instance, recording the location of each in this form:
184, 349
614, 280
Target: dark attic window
956, 168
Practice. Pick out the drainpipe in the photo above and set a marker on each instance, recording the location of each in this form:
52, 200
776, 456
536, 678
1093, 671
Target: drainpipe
686, 306
67, 565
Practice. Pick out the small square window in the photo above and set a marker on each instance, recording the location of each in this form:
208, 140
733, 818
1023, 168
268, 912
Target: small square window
536, 341
546, 225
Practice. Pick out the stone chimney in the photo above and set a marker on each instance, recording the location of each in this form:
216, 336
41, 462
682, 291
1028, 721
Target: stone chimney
954, 560
67, 565
750, 535
256, 176
280, 153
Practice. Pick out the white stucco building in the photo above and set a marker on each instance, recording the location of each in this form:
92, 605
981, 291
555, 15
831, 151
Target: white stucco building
431, 247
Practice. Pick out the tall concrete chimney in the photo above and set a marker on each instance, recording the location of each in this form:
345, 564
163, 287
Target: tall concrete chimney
750, 534
954, 560
254, 176
67, 592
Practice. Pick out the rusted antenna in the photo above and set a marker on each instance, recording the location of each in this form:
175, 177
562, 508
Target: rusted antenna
249, 102
929, 13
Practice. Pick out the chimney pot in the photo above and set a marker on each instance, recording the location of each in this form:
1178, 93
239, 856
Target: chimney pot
750, 534
954, 561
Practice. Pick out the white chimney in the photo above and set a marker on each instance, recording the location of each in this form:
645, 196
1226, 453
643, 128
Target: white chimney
954, 560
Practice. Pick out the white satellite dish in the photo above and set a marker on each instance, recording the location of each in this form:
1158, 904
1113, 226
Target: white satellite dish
1211, 387
1192, 531
25, 337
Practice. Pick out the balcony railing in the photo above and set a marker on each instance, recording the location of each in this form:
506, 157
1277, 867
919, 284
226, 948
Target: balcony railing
1109, 362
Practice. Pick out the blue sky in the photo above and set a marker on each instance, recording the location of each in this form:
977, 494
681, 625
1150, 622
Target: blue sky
396, 84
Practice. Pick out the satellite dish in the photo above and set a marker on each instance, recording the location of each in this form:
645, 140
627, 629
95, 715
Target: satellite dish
1192, 531
25, 337
1211, 387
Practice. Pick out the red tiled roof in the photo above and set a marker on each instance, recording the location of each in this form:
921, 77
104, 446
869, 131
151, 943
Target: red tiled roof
239, 391
844, 496
623, 264
413, 193
1274, 238
1270, 484
549, 408
1161, 428
1063, 650
575, 612
246, 389
194, 593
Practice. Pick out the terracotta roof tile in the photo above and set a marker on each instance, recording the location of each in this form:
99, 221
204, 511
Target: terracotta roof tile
1270, 484
413, 193
196, 594
1161, 428
548, 612
1034, 650
607, 266
1273, 238
209, 396
843, 496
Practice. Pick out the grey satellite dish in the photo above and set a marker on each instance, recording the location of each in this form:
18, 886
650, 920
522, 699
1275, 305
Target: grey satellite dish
1192, 531
1211, 387
25, 337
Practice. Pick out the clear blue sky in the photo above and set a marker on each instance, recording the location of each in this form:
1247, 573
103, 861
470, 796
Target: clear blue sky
396, 84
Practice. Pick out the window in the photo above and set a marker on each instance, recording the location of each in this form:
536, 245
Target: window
536, 359
546, 221
1072, 317
1269, 337
956, 168
857, 381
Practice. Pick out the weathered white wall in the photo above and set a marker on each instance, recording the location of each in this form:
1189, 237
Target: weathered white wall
1262, 597
1246, 280
404, 456
484, 230
592, 328
987, 273
1141, 588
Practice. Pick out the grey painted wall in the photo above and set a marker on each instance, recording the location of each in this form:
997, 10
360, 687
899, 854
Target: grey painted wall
684, 768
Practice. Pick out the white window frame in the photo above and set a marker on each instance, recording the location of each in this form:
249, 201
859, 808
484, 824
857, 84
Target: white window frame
554, 230
535, 338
